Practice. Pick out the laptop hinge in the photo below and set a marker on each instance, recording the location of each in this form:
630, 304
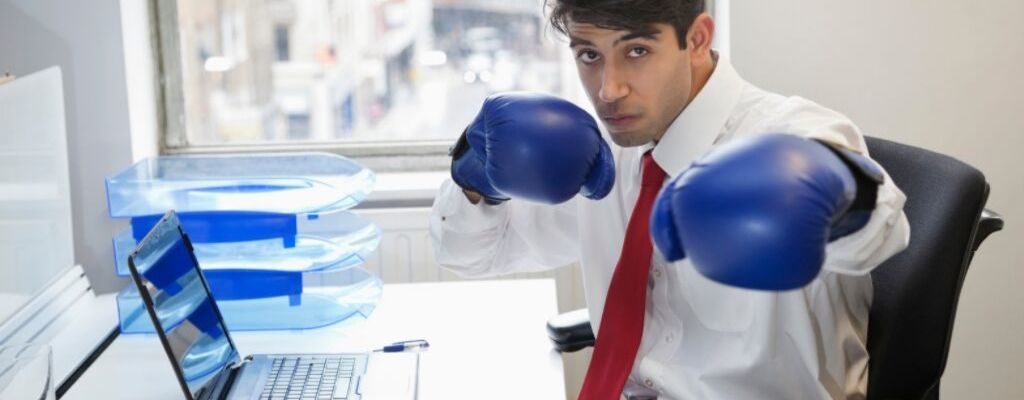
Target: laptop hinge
219, 387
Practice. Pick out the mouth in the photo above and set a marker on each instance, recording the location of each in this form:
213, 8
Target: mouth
620, 120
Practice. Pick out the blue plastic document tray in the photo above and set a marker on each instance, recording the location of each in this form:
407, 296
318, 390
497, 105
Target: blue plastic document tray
322, 299
328, 243
285, 183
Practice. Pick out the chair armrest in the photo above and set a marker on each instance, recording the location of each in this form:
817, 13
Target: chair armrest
989, 223
634, 391
571, 331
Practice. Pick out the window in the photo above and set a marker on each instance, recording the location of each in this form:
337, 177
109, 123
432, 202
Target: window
403, 75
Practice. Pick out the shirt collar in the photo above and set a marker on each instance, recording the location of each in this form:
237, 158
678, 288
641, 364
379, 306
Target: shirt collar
693, 132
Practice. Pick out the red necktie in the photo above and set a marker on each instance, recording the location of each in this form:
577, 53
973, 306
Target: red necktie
622, 322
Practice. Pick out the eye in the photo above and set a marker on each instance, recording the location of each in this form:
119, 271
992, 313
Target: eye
637, 52
587, 56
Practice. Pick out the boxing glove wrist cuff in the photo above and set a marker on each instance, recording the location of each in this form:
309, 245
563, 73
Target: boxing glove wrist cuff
457, 152
868, 177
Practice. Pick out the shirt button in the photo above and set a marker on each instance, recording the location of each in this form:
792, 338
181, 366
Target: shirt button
649, 383
657, 273
670, 338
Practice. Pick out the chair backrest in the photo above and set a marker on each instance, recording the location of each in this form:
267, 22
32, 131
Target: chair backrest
916, 291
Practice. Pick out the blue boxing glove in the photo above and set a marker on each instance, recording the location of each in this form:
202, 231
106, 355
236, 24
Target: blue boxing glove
534, 147
758, 212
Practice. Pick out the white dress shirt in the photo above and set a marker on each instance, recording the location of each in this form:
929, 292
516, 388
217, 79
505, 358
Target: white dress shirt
701, 340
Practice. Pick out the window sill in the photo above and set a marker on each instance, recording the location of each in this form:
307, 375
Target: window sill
381, 157
404, 189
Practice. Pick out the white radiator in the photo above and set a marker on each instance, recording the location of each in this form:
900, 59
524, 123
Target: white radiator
406, 254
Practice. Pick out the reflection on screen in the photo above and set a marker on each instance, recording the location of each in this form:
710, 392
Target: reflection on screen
185, 310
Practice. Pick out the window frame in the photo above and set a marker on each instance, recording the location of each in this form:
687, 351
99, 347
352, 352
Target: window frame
381, 156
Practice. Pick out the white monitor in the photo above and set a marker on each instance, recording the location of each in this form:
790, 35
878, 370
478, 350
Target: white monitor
35, 202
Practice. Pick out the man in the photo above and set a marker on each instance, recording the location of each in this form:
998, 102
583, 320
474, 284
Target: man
666, 99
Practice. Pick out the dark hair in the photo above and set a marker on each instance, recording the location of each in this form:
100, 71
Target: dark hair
629, 15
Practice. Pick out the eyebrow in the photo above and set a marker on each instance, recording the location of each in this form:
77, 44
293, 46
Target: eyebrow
650, 35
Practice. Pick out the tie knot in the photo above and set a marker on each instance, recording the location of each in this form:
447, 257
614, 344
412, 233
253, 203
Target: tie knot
652, 174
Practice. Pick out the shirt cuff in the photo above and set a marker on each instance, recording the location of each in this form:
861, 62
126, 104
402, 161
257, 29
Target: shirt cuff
886, 233
454, 212
466, 236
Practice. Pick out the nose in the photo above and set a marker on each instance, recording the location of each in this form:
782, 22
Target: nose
613, 84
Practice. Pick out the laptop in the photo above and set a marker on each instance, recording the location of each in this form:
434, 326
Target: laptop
205, 359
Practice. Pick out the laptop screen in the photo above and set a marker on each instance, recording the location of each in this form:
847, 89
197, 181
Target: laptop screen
193, 332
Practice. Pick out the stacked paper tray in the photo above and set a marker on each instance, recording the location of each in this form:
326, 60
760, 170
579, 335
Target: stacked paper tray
327, 243
321, 299
270, 232
291, 183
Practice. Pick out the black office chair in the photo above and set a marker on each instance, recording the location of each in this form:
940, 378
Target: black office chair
916, 291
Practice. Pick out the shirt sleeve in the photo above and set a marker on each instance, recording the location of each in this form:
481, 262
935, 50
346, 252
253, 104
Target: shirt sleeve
481, 240
887, 231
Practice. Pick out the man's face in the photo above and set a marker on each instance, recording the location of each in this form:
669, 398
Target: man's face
638, 81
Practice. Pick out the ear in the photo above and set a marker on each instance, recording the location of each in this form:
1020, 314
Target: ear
699, 37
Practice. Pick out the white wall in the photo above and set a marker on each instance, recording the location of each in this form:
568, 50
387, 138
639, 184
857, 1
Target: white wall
945, 75
85, 39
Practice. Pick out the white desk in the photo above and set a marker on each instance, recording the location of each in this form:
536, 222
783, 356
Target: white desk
487, 340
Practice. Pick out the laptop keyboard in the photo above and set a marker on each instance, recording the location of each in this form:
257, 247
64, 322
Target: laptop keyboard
325, 377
